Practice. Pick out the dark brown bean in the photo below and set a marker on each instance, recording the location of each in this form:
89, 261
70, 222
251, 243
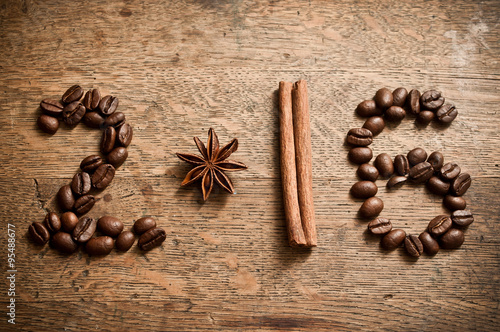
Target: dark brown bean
375, 124
367, 172
446, 113
81, 183
48, 124
52, 222
401, 165
413, 101
101, 245
65, 198
449, 171
384, 164
84, 204
51, 107
63, 242
396, 182
454, 203
421, 172
68, 221
93, 120
124, 241
462, 218
416, 156
84, 229
92, 99
437, 186
108, 140
413, 245
436, 159
383, 98
151, 239
124, 134
360, 155
359, 137
380, 226
110, 226
91, 163
393, 239
371, 207
116, 120
431, 246
117, 156
103, 176
431, 100
395, 114
399, 97
460, 184
439, 225
108, 105
73, 113
144, 224
452, 239
364, 189
368, 108
39, 233
73, 94
425, 117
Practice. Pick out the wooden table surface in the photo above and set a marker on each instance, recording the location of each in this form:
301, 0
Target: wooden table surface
179, 68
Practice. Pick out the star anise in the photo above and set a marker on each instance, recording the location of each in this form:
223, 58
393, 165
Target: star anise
212, 164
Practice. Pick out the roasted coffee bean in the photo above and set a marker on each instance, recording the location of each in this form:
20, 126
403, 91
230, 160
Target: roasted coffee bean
108, 140
117, 156
393, 239
101, 245
413, 101
93, 120
92, 99
73, 94
108, 105
364, 189
51, 107
371, 207
91, 163
367, 172
421, 172
452, 239
446, 113
48, 124
439, 225
68, 221
396, 182
81, 183
152, 238
431, 100
436, 159
449, 171
462, 218
460, 184
124, 241
395, 114
431, 246
360, 155
65, 198
425, 117
380, 226
413, 245
375, 124
84, 204
63, 242
401, 165
383, 98
368, 108
73, 113
39, 233
437, 186
416, 156
110, 226
399, 97
384, 164
144, 224
116, 119
52, 222
359, 137
453, 203
84, 229
124, 134
103, 176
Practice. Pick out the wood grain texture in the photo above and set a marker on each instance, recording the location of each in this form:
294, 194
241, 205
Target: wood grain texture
180, 68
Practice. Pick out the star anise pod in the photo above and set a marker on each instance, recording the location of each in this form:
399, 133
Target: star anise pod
212, 164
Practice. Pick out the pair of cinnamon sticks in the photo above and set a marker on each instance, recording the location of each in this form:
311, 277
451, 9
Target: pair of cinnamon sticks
296, 164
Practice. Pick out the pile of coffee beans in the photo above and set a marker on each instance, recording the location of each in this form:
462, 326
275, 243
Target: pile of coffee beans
446, 179
99, 237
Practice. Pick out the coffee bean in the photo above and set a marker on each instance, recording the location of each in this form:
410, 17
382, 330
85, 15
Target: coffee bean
452, 239
73, 94
368, 108
93, 120
84, 204
359, 137
81, 183
108, 140
48, 124
460, 184
396, 182
421, 172
437, 186
63, 242
453, 203
116, 119
371, 207
413, 101
39, 233
416, 156
384, 164
439, 225
413, 245
431, 100
103, 176
73, 113
92, 99
117, 156
108, 105
101, 245
446, 113
51, 107
364, 189
436, 159
110, 226
375, 124
425, 117
84, 229
124, 134
401, 165
399, 97
367, 172
144, 224
383, 98
91, 163
393, 239
360, 155
68, 221
380, 226
65, 198
462, 218
449, 171
52, 222
152, 238
124, 241
431, 246
395, 114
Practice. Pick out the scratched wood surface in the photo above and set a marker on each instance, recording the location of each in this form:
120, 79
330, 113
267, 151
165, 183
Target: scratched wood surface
180, 68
